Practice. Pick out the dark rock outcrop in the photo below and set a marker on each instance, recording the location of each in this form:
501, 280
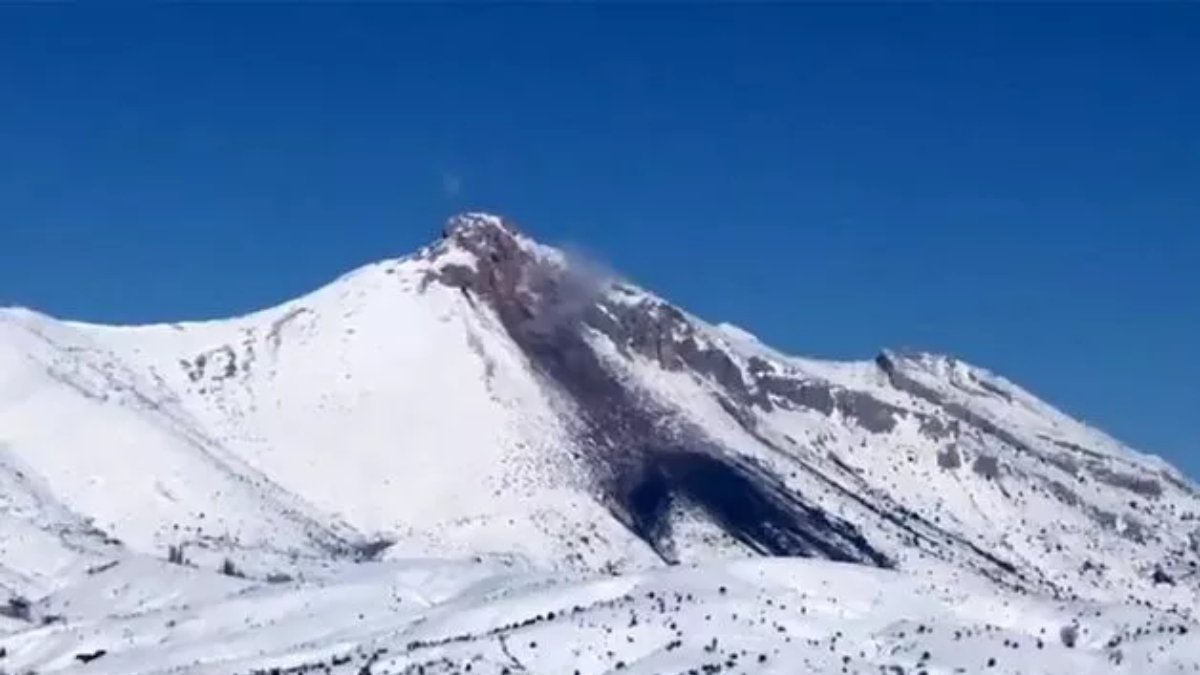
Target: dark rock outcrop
643, 463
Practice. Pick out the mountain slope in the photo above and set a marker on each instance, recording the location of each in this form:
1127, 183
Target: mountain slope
780, 616
487, 396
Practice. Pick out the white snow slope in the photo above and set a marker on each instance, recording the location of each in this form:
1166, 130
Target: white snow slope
487, 455
771, 615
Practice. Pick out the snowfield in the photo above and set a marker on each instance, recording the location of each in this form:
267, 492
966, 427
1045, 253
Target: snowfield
751, 616
485, 457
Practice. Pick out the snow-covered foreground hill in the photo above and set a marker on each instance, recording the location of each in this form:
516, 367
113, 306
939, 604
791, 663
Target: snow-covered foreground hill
490, 399
776, 615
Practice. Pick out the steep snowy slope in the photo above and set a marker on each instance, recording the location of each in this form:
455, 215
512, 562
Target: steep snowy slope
396, 406
487, 396
91, 453
41, 540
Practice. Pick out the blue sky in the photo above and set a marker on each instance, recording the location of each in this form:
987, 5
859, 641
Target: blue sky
1016, 185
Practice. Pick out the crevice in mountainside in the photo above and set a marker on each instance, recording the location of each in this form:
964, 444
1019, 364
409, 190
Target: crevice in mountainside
641, 465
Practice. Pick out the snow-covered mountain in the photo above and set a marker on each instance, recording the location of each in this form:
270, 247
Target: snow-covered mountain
490, 399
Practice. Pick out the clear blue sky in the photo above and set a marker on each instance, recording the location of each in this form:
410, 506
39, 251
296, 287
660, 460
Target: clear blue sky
1016, 185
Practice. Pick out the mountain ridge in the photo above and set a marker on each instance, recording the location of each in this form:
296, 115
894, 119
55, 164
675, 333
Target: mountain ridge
467, 220
490, 457
535, 398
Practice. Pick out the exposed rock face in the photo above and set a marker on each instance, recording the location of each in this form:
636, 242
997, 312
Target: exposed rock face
986, 466
949, 458
648, 457
1146, 487
643, 465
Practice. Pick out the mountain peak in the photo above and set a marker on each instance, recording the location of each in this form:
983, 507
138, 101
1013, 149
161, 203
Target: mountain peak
485, 236
477, 223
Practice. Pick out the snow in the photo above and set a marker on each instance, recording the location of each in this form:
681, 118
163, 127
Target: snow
413, 485
761, 616
328, 404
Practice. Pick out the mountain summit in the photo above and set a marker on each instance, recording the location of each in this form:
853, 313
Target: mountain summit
488, 396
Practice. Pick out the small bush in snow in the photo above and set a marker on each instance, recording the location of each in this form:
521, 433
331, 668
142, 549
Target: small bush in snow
18, 607
230, 570
1069, 635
